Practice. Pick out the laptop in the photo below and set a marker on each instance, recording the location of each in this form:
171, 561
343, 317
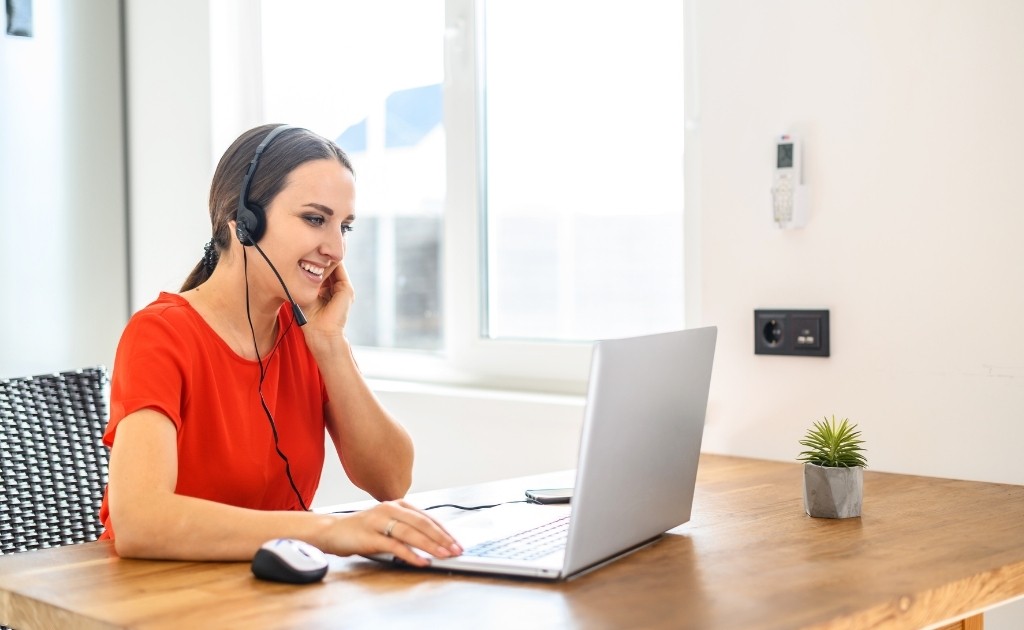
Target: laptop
636, 469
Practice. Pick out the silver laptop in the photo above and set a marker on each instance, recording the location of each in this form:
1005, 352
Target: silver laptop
635, 476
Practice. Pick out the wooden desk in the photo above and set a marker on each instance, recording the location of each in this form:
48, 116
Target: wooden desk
925, 553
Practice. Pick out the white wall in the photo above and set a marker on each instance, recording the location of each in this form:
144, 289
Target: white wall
63, 284
170, 122
189, 97
912, 126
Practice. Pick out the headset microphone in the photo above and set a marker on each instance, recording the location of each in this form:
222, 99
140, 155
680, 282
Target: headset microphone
300, 317
251, 219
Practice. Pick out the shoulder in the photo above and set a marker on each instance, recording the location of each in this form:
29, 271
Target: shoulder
169, 318
168, 308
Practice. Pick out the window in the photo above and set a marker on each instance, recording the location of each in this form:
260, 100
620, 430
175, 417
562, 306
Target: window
369, 75
584, 168
519, 174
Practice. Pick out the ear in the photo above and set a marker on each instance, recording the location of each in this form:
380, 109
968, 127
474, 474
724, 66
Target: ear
233, 243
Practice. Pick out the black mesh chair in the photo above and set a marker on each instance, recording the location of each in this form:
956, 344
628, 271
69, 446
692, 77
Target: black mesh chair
53, 465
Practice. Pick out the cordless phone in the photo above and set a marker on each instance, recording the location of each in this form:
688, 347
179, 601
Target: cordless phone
788, 193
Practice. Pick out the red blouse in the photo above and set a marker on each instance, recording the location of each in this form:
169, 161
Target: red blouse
171, 361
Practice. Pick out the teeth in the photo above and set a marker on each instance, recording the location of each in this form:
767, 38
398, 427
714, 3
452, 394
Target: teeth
313, 269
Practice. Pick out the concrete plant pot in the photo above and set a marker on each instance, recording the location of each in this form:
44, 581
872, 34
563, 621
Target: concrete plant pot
833, 492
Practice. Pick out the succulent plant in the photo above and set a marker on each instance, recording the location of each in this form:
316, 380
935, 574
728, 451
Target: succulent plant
833, 445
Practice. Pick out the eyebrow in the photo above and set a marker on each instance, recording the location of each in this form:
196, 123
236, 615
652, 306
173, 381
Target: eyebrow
328, 211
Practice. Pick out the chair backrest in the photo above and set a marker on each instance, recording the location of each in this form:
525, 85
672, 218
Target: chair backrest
53, 465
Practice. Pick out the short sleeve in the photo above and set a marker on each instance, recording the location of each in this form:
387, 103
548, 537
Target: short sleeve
150, 369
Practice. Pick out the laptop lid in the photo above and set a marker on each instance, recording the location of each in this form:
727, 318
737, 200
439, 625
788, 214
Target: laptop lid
640, 443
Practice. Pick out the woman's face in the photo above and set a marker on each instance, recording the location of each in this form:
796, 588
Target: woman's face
306, 226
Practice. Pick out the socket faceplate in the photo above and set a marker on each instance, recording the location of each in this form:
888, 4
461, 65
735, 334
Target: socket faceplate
797, 332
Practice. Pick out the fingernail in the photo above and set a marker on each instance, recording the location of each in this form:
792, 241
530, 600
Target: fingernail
456, 549
444, 553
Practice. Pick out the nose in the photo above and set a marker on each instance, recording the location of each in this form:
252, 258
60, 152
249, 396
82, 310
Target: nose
333, 247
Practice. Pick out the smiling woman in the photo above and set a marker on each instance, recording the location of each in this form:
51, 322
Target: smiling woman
304, 188
221, 395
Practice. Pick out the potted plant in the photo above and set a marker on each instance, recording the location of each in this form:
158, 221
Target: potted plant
833, 469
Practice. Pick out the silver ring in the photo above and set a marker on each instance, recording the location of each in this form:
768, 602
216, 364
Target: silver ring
390, 526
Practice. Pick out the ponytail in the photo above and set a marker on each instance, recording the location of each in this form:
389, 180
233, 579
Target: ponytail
204, 269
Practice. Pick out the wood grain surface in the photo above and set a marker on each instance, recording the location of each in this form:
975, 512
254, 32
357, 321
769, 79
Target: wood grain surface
926, 553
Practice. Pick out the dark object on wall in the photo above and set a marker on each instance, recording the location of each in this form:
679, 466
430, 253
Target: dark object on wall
793, 332
19, 18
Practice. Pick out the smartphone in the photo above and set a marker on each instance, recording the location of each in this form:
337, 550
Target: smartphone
549, 495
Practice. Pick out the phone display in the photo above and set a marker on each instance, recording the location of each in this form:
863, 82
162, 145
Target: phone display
784, 159
550, 495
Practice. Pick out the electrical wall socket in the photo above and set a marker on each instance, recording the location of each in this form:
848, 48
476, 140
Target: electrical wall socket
791, 331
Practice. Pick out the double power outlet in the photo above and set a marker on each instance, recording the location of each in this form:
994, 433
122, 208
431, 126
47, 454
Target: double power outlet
792, 332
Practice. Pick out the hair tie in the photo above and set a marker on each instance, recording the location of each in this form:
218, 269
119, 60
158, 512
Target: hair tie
210, 256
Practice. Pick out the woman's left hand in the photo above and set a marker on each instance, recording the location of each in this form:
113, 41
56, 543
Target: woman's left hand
329, 313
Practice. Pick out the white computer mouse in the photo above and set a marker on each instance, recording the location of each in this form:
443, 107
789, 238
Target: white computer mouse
289, 560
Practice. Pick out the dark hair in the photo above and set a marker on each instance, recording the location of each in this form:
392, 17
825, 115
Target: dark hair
287, 152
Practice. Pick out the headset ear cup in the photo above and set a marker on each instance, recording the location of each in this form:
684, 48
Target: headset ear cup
250, 224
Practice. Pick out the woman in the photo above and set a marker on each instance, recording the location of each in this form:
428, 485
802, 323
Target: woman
220, 394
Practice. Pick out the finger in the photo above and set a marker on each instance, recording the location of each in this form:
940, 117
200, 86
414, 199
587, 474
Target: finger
326, 289
402, 533
447, 537
337, 282
394, 545
404, 541
340, 273
424, 532
400, 538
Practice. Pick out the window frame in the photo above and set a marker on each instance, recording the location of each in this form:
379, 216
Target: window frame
468, 357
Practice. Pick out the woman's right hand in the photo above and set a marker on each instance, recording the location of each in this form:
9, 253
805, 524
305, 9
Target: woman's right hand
393, 527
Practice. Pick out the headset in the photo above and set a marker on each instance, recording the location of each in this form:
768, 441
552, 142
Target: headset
251, 219
250, 224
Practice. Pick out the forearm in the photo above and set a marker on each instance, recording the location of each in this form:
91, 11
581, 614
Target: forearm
177, 527
375, 450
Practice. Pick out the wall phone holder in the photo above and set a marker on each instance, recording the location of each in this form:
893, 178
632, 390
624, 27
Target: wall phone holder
789, 194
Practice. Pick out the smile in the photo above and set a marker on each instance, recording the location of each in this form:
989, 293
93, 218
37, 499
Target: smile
312, 269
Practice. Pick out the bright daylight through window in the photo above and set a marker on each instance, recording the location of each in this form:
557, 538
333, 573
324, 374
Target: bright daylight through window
578, 171
584, 168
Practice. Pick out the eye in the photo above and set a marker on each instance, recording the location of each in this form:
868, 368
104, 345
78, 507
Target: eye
314, 219
346, 228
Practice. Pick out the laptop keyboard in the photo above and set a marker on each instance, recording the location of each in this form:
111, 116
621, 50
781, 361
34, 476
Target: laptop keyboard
527, 545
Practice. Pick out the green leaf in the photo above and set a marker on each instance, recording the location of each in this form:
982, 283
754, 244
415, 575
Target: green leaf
832, 444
